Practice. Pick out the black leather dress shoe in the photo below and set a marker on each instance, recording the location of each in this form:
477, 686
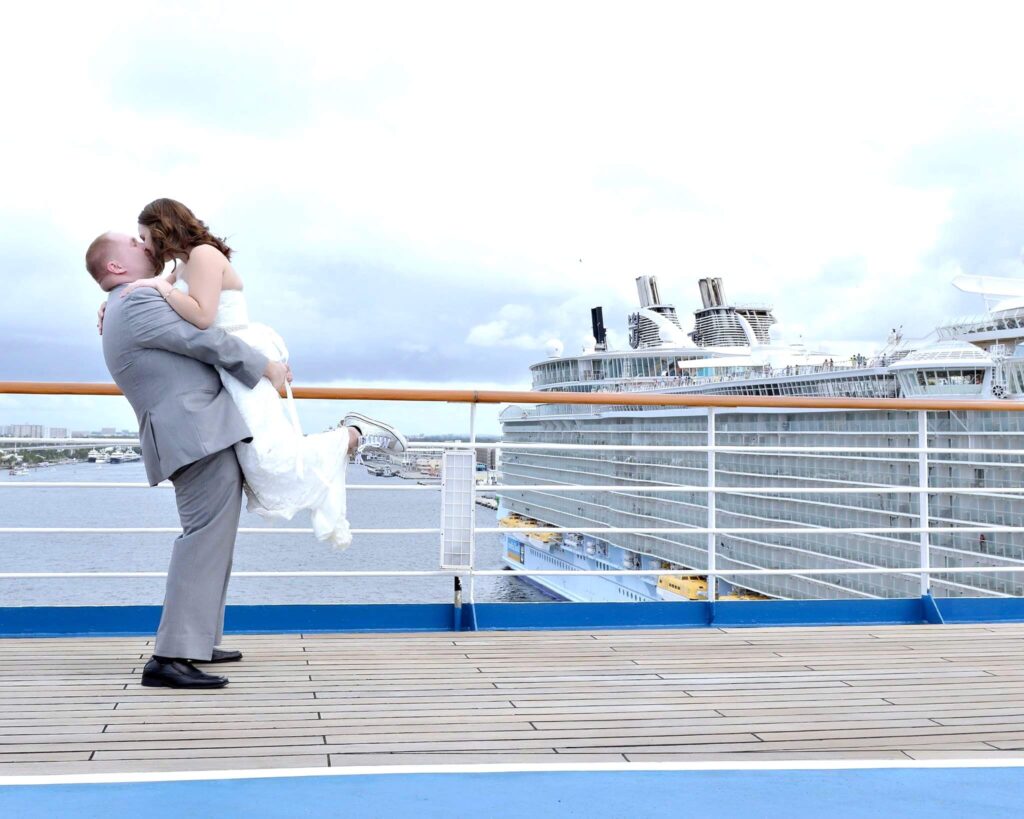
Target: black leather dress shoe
222, 655
178, 674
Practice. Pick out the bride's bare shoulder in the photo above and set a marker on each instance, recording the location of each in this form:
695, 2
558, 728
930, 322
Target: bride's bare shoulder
211, 259
205, 255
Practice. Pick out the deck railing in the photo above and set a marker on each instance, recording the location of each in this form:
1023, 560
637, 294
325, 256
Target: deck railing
463, 566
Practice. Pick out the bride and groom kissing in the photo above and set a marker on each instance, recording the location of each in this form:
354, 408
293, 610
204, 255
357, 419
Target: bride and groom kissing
205, 384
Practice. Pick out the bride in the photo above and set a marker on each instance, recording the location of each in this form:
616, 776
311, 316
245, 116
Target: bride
285, 471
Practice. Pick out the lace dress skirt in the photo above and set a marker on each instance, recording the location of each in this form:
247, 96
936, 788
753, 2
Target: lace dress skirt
285, 471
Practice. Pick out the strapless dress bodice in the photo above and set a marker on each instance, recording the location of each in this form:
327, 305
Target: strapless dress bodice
232, 311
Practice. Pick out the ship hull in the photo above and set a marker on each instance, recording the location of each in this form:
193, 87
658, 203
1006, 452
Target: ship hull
754, 509
522, 553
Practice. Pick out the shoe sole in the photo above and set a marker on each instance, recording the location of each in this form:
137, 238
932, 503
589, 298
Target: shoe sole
394, 433
153, 684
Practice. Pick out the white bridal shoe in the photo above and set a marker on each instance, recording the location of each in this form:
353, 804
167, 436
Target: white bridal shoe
376, 434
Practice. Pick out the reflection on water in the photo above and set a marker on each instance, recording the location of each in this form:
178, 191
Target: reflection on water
155, 507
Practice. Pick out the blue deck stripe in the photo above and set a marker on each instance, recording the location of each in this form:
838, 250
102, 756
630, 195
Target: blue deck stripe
67, 621
905, 792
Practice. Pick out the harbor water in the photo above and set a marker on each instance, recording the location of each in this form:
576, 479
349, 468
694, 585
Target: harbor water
152, 507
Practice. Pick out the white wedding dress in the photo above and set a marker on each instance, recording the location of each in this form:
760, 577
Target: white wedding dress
285, 471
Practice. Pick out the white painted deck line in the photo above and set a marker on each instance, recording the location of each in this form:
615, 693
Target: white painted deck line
364, 770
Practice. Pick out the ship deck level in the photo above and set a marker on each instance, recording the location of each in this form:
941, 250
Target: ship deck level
928, 692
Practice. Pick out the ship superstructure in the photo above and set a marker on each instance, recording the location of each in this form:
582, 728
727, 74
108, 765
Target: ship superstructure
730, 351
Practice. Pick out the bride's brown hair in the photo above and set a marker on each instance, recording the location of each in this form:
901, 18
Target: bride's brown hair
176, 230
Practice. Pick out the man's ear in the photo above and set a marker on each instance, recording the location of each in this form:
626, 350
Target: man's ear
115, 268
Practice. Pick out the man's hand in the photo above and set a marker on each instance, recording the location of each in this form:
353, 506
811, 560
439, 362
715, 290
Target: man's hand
99, 317
278, 373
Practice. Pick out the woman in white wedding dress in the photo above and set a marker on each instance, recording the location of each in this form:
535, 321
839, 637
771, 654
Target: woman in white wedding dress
285, 471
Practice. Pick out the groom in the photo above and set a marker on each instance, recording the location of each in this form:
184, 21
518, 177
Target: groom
188, 426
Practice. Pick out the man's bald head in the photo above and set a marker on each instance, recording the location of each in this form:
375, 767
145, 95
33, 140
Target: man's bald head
99, 253
116, 258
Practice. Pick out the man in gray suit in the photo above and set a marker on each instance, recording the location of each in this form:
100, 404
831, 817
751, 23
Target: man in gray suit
188, 426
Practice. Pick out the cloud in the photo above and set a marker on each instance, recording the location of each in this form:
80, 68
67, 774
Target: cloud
981, 171
506, 330
420, 203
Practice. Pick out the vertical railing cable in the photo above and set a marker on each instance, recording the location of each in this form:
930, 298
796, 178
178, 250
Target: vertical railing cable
712, 508
922, 499
472, 552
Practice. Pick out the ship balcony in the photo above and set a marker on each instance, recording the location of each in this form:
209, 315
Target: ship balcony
682, 379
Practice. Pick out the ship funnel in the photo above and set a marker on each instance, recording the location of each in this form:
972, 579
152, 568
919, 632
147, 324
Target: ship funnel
597, 323
712, 293
705, 293
647, 288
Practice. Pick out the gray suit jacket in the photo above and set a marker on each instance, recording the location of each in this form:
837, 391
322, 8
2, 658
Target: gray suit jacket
165, 368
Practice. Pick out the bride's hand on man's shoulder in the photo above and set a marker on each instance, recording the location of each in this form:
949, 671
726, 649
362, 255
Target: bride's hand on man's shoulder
156, 283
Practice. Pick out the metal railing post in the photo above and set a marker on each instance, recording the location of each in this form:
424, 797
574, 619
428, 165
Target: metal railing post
712, 503
472, 552
922, 499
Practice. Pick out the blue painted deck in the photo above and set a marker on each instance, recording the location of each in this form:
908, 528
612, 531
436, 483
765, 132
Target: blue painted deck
73, 621
841, 794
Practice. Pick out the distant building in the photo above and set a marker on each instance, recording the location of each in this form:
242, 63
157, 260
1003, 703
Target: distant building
108, 431
487, 456
58, 432
24, 431
80, 433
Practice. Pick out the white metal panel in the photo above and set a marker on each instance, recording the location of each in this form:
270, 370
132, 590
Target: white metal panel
458, 478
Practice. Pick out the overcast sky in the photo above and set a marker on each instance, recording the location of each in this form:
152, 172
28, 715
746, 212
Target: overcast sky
425, 194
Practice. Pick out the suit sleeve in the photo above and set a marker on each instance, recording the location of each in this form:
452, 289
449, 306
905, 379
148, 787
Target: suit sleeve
154, 323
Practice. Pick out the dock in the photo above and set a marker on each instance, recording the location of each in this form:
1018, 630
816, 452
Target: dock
922, 692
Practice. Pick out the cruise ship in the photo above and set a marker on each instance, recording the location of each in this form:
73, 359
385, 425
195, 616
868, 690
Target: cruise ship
730, 351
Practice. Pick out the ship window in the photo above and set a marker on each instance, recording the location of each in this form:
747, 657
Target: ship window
933, 378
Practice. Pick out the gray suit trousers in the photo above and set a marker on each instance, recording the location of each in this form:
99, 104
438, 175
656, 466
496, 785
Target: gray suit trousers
209, 496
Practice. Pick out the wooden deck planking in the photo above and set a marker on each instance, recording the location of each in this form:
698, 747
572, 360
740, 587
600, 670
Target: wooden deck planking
71, 705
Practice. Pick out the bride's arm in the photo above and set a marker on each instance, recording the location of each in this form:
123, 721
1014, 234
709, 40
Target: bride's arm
205, 278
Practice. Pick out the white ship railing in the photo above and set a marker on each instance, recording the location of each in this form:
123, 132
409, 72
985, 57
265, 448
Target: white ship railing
982, 323
742, 372
711, 448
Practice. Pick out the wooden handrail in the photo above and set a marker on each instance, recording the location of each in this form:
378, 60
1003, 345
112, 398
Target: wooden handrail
526, 397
